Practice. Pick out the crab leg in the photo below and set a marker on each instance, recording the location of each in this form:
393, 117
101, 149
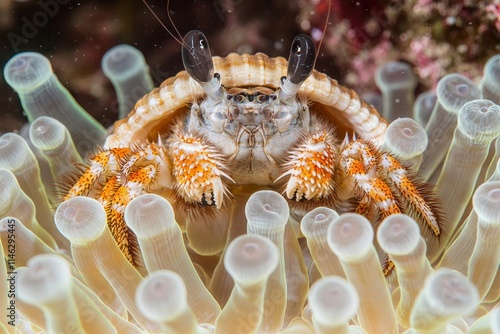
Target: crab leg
145, 167
101, 164
115, 198
149, 154
419, 199
358, 161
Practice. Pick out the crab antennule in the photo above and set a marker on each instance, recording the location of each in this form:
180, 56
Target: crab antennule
300, 66
198, 63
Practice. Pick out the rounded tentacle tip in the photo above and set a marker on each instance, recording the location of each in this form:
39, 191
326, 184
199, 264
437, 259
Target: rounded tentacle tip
15, 153
333, 300
486, 202
122, 62
317, 217
267, 205
479, 120
7, 222
26, 71
453, 90
161, 296
148, 215
350, 236
423, 107
250, 259
398, 234
406, 138
46, 278
449, 292
80, 219
395, 75
10, 190
47, 133
491, 77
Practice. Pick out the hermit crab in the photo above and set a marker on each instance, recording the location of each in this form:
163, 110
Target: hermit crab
246, 122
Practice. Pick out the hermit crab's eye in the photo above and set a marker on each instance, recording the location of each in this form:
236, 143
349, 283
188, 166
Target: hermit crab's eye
301, 59
196, 56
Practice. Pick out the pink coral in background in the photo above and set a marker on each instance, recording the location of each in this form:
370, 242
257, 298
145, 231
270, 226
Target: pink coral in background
493, 10
365, 64
427, 64
435, 37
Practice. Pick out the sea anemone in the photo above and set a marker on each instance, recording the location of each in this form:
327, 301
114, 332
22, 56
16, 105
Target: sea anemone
320, 275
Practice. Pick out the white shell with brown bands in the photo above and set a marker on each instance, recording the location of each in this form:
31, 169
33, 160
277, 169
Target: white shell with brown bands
153, 114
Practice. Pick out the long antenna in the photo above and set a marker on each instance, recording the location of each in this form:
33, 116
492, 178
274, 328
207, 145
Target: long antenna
172, 21
324, 29
179, 40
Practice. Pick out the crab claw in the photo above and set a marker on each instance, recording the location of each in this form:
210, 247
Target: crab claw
310, 167
198, 171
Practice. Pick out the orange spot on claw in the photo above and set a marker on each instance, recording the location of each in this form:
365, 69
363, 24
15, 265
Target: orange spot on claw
311, 168
197, 169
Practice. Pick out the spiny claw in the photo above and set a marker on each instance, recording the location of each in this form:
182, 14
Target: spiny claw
198, 170
311, 168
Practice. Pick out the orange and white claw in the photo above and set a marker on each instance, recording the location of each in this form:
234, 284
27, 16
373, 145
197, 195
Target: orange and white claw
311, 168
198, 170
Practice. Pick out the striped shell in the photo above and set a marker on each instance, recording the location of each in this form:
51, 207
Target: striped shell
153, 114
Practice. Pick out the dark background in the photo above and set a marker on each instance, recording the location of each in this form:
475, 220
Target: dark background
80, 32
